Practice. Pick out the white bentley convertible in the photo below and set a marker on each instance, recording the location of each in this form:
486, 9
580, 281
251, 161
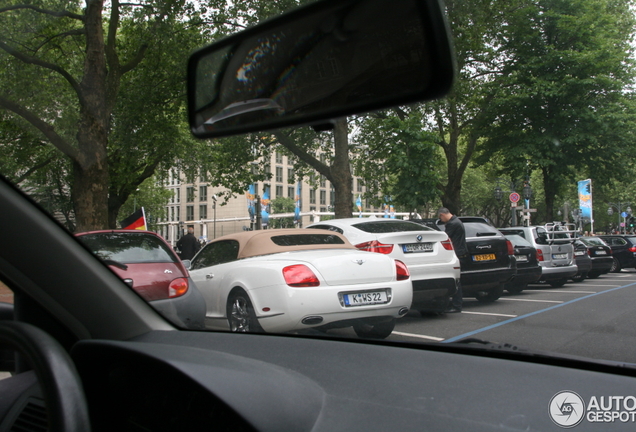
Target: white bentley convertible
293, 279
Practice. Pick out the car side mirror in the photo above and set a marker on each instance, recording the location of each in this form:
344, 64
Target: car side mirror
326, 60
187, 264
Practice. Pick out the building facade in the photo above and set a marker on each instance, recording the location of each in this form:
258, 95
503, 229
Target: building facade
193, 203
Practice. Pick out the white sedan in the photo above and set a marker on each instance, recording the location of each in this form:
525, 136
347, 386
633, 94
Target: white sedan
292, 279
428, 254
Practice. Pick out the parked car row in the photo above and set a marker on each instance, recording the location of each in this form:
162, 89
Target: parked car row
360, 273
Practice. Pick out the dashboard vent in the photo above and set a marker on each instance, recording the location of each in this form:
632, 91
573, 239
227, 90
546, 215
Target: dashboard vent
32, 418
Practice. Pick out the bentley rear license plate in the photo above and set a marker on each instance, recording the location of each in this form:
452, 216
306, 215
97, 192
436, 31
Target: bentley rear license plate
417, 247
484, 257
522, 258
559, 256
364, 298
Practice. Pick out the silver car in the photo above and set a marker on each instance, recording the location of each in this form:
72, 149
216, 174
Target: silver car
555, 252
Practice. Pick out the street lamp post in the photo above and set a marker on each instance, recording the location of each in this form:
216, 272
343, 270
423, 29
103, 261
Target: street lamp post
214, 198
619, 207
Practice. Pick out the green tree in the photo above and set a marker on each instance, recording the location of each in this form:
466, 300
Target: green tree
397, 158
103, 85
282, 205
561, 104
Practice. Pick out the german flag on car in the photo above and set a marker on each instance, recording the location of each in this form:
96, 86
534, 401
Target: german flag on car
136, 221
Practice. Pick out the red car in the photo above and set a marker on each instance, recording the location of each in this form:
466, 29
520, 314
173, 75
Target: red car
148, 264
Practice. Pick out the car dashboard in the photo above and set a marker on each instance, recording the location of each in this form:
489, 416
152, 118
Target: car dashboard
165, 380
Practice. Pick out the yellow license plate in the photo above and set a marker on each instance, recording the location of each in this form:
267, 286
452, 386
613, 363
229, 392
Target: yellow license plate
484, 257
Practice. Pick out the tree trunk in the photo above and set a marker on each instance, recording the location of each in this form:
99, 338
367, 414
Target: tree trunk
91, 177
341, 177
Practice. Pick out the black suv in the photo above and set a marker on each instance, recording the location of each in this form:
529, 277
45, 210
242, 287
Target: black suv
623, 250
490, 262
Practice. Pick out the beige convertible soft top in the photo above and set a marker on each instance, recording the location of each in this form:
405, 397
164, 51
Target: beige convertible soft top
271, 241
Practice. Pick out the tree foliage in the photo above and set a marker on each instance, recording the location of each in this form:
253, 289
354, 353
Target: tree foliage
397, 158
560, 105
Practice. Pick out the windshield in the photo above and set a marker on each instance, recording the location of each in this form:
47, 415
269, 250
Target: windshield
128, 248
537, 132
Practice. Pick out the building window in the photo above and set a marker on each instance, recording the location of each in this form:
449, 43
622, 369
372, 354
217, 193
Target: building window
323, 181
312, 208
323, 197
203, 211
279, 174
177, 213
203, 176
177, 195
312, 196
175, 177
279, 157
190, 175
172, 214
332, 197
290, 175
190, 213
323, 209
290, 192
279, 191
359, 181
190, 195
203, 193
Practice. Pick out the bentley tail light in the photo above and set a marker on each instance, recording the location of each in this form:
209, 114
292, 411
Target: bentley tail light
178, 287
375, 246
299, 275
632, 249
402, 272
539, 254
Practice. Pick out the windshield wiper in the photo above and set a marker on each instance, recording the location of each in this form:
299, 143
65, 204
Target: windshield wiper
116, 264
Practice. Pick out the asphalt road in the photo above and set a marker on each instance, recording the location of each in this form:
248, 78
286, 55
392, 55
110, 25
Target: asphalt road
595, 318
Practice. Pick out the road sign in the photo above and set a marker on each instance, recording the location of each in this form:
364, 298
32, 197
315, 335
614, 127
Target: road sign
624, 214
514, 197
528, 210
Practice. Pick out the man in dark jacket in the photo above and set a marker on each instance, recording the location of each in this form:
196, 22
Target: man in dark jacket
188, 245
457, 234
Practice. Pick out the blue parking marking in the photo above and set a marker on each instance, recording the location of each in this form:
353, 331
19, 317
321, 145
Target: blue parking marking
474, 332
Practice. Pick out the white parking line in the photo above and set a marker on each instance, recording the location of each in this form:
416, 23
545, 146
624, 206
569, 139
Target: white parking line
488, 313
603, 286
528, 300
554, 291
418, 336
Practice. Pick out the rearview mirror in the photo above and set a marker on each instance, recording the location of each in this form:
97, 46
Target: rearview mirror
329, 59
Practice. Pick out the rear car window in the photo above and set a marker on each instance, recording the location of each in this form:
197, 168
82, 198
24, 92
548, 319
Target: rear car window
306, 239
381, 227
519, 233
480, 230
128, 248
517, 240
593, 241
327, 227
